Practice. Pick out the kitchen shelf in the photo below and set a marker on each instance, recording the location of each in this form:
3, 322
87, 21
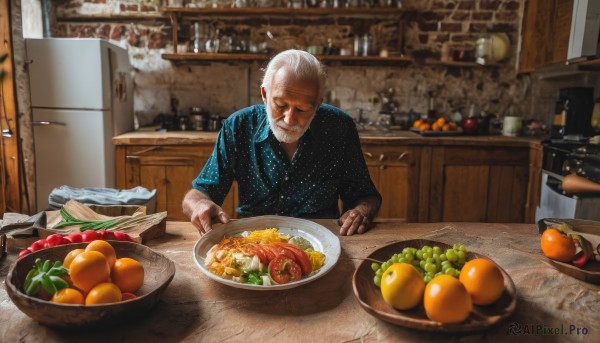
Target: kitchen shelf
226, 57
285, 11
461, 64
177, 15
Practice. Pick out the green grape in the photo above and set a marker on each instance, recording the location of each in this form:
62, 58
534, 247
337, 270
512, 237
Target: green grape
427, 278
395, 258
430, 260
451, 255
450, 271
419, 254
379, 272
462, 248
377, 280
461, 255
385, 265
375, 266
443, 257
435, 256
402, 260
446, 263
438, 274
405, 250
437, 250
422, 263
409, 256
456, 272
429, 267
415, 263
456, 246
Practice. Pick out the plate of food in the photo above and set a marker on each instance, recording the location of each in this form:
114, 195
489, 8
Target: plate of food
580, 267
267, 252
480, 317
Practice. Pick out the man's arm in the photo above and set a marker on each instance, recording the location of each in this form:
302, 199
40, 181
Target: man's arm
358, 219
201, 210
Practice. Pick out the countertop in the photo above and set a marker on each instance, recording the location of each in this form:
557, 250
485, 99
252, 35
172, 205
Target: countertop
391, 137
195, 308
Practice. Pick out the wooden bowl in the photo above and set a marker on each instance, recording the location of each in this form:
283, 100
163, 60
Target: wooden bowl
370, 299
158, 270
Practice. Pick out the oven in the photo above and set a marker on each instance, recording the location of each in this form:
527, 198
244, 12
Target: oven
562, 158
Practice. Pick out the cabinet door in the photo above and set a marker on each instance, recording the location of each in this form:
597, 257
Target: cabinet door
396, 176
168, 169
545, 37
478, 185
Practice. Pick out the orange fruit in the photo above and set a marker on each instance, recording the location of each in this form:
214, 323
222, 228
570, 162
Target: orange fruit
425, 127
105, 249
441, 121
402, 286
68, 296
103, 293
446, 127
557, 246
417, 123
70, 256
128, 274
483, 280
446, 300
88, 269
436, 126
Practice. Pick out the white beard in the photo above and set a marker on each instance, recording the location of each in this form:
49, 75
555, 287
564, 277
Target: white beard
285, 133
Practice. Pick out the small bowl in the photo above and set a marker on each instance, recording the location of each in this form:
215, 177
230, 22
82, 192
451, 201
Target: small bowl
158, 270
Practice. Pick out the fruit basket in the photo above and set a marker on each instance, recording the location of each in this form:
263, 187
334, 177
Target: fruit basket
159, 271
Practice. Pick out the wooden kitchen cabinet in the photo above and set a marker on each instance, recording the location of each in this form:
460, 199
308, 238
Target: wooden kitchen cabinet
168, 169
477, 184
545, 37
394, 171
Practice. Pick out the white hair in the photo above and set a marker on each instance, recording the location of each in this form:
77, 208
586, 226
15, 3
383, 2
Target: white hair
302, 64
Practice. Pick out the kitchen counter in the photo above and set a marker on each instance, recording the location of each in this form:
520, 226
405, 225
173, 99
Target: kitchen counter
367, 137
195, 308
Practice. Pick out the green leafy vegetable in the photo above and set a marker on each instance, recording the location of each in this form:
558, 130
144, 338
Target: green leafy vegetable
69, 220
46, 276
255, 277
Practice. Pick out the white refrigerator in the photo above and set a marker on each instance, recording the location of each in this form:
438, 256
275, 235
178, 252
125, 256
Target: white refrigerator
81, 96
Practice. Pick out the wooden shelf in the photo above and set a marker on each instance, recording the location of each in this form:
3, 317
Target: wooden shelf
112, 17
590, 65
460, 64
226, 57
284, 11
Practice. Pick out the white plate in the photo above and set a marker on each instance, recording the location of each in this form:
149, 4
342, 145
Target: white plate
319, 236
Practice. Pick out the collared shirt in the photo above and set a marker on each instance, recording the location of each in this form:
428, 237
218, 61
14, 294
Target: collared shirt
327, 165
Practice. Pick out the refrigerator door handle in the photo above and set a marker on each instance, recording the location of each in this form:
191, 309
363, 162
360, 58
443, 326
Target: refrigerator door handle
48, 123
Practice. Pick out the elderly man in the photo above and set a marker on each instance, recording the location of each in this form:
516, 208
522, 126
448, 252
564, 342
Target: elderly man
292, 155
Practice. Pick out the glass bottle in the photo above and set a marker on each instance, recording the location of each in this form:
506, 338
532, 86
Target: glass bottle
197, 38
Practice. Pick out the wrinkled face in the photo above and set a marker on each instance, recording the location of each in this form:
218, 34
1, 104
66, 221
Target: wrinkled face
291, 105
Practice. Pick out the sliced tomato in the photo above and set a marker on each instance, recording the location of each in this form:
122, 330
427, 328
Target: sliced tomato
300, 257
283, 269
262, 256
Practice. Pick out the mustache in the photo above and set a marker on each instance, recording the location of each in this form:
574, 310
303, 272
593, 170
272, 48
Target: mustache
294, 128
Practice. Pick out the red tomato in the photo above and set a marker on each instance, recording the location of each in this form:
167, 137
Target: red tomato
24, 252
283, 270
37, 245
53, 240
65, 241
122, 236
300, 257
89, 235
107, 235
75, 238
127, 296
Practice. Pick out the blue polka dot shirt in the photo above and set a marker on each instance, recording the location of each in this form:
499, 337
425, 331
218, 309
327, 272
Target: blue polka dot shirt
328, 165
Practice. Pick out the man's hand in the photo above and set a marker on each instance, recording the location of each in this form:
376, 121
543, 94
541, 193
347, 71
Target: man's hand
353, 221
358, 219
203, 211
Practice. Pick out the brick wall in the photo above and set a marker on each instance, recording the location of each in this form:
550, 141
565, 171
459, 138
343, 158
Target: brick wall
440, 26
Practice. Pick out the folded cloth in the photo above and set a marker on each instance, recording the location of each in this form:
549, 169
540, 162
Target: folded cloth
100, 196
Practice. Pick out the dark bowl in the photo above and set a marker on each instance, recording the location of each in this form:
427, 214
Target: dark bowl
158, 270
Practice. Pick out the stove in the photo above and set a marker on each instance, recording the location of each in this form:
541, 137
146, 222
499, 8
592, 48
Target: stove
562, 157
